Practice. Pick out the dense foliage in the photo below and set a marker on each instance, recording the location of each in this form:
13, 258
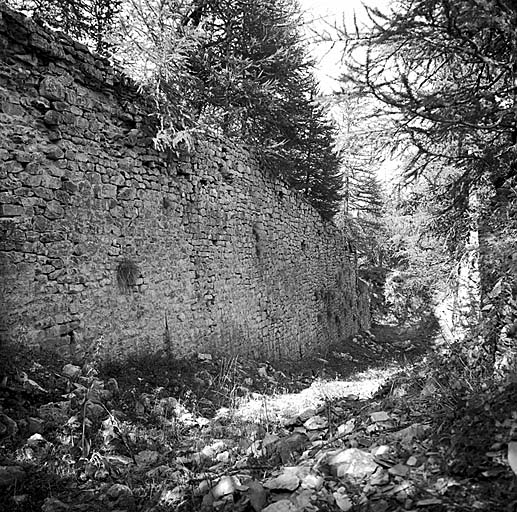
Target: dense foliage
447, 69
444, 72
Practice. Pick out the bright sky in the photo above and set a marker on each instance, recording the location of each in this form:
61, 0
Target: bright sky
326, 14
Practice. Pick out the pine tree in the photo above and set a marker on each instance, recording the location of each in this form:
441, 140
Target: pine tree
255, 83
446, 72
316, 167
249, 63
366, 193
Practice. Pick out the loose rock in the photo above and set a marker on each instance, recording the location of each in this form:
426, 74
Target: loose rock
227, 485
352, 462
286, 481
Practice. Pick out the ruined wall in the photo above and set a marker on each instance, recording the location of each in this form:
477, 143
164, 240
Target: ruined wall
108, 243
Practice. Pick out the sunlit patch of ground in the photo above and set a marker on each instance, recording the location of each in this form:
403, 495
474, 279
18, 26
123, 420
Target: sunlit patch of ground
277, 408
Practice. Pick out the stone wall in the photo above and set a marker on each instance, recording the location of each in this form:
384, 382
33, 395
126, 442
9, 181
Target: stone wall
107, 243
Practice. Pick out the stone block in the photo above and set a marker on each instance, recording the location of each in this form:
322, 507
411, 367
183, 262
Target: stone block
81, 123
55, 135
32, 180
52, 89
54, 153
11, 210
39, 42
126, 194
108, 191
12, 167
54, 210
52, 118
11, 109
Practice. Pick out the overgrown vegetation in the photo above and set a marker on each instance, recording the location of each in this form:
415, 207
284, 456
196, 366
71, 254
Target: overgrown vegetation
442, 76
227, 434
237, 68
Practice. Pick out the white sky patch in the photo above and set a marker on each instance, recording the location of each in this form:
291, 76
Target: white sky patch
322, 17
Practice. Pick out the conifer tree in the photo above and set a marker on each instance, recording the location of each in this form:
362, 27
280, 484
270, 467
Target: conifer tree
446, 73
312, 163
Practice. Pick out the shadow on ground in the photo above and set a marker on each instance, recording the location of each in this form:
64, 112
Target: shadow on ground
227, 434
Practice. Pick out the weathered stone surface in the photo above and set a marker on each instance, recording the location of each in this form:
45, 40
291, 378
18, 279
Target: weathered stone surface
352, 463
71, 371
52, 89
281, 506
226, 485
285, 481
11, 210
54, 152
205, 243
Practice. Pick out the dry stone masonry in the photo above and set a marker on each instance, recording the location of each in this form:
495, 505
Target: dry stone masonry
109, 245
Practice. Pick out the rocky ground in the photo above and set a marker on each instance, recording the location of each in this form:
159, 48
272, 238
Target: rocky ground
372, 425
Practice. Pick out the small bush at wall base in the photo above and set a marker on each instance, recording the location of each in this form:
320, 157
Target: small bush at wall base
127, 274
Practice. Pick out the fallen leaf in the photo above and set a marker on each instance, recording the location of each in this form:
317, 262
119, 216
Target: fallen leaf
118, 459
494, 473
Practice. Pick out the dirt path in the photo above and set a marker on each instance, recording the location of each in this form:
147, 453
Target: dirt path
361, 427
